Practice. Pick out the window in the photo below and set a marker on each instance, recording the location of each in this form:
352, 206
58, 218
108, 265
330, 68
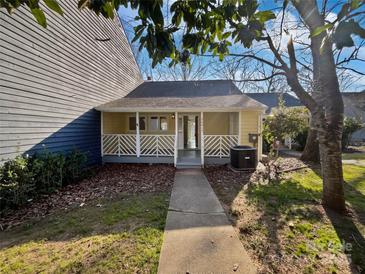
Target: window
163, 123
142, 123
153, 123
132, 123
133, 126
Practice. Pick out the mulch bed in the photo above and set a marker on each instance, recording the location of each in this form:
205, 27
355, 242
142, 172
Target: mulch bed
222, 174
109, 181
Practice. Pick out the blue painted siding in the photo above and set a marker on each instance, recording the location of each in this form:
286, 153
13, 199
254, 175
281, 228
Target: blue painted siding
51, 80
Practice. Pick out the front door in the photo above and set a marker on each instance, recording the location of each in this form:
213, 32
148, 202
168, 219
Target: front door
188, 131
191, 131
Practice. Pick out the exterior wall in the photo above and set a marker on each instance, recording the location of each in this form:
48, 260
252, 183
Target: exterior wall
51, 79
115, 123
250, 122
118, 123
216, 123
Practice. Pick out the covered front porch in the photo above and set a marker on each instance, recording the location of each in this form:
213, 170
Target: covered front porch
173, 123
181, 138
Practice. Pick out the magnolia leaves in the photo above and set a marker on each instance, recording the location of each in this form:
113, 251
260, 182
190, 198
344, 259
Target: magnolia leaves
213, 27
341, 36
104, 7
343, 28
34, 6
39, 14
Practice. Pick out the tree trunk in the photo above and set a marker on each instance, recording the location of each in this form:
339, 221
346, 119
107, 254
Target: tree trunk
328, 114
331, 169
311, 149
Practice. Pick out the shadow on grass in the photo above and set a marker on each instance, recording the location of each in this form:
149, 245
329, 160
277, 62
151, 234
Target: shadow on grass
103, 217
345, 227
299, 200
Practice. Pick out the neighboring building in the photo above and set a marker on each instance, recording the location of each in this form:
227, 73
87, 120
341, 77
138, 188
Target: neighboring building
354, 106
272, 100
51, 79
184, 122
354, 103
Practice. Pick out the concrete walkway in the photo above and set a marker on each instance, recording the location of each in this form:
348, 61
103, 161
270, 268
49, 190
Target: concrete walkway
198, 237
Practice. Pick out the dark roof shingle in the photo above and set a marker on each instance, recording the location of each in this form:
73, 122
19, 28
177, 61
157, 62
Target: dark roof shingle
185, 89
272, 99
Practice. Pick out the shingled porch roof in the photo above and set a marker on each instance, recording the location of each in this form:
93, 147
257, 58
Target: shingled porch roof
189, 96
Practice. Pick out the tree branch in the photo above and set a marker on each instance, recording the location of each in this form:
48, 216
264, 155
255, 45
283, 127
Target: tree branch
261, 79
353, 70
293, 81
247, 56
275, 52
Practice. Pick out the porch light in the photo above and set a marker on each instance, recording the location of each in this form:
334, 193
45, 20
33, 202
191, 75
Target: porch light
173, 116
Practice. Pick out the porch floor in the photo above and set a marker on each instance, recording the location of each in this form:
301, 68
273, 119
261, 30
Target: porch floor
189, 157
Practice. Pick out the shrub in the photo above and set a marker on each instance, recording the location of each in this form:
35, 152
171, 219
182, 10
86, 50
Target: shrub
16, 182
350, 125
284, 122
25, 178
75, 162
301, 139
48, 170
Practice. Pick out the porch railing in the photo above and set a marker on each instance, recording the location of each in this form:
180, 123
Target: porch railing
150, 145
219, 145
157, 145
119, 144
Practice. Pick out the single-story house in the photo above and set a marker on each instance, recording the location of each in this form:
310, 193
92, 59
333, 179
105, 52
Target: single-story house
181, 122
76, 85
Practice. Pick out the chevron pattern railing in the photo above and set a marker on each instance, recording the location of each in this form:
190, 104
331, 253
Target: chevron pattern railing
219, 145
150, 145
157, 145
119, 144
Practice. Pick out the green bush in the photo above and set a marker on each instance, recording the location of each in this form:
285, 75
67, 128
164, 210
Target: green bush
73, 168
25, 178
350, 125
16, 183
301, 139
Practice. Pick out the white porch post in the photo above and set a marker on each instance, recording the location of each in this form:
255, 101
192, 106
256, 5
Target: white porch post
138, 137
202, 138
259, 143
290, 142
239, 128
176, 136
101, 133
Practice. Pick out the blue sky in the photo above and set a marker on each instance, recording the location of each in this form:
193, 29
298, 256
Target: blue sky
357, 82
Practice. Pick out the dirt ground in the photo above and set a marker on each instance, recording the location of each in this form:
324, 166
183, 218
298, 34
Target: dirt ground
107, 181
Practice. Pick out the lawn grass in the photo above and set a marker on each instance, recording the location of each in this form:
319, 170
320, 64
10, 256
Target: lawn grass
285, 229
353, 156
122, 235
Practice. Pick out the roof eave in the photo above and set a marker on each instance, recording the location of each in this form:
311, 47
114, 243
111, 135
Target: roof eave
146, 109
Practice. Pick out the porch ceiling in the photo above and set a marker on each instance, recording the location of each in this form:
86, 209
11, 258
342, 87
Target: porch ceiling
187, 104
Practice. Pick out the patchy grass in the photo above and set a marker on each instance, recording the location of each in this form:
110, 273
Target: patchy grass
286, 230
122, 235
353, 156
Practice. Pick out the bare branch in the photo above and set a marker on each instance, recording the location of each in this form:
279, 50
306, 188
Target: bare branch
275, 52
262, 79
351, 69
247, 56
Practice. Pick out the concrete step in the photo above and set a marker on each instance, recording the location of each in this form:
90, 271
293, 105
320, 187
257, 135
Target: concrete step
188, 165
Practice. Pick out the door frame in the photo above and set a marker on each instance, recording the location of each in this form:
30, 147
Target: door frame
181, 131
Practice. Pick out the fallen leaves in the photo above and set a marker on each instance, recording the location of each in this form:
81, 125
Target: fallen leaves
109, 181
